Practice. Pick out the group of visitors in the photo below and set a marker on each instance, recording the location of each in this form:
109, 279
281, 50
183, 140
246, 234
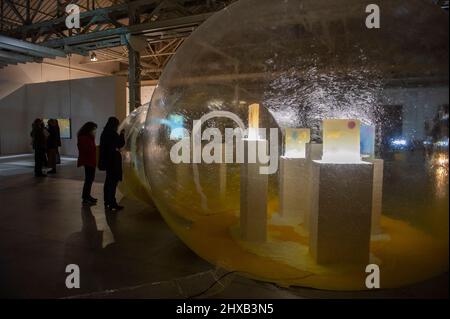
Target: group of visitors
109, 160
46, 140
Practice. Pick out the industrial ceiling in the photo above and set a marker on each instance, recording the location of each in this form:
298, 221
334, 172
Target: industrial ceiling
110, 31
35, 29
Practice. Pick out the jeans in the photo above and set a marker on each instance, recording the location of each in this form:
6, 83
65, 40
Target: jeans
89, 175
109, 189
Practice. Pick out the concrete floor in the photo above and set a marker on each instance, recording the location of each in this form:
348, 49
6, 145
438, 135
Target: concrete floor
133, 254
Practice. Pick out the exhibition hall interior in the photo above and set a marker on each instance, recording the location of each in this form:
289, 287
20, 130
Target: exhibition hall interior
224, 149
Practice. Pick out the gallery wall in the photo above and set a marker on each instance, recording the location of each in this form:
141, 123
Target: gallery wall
82, 100
13, 77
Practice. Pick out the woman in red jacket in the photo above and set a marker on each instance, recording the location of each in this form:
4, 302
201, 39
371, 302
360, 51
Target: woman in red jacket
88, 158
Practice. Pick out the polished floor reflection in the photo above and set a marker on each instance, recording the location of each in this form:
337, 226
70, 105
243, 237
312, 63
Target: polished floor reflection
133, 254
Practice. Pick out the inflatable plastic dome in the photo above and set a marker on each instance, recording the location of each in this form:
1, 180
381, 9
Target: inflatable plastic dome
301, 141
134, 184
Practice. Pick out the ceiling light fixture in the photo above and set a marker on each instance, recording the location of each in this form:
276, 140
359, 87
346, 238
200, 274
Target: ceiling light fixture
93, 57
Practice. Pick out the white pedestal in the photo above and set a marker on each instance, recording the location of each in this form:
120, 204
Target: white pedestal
313, 152
341, 212
294, 189
253, 206
377, 194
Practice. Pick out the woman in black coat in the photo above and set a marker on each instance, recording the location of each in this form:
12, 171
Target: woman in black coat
53, 142
110, 160
39, 142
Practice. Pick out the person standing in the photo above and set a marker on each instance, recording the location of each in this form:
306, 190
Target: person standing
53, 142
39, 142
110, 160
58, 142
87, 157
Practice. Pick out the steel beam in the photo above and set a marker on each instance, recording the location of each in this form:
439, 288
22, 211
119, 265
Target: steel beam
25, 51
97, 45
19, 45
2, 8
37, 10
118, 10
164, 25
28, 12
157, 26
8, 61
16, 12
123, 59
18, 57
134, 67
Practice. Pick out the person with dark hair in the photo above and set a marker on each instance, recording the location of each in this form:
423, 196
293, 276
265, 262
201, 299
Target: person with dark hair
39, 142
58, 141
110, 160
52, 145
87, 157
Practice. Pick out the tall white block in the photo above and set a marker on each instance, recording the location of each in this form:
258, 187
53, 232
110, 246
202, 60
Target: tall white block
253, 206
341, 140
313, 152
377, 194
294, 189
341, 212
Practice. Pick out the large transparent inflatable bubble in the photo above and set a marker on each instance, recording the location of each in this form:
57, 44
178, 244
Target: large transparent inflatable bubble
134, 183
305, 142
